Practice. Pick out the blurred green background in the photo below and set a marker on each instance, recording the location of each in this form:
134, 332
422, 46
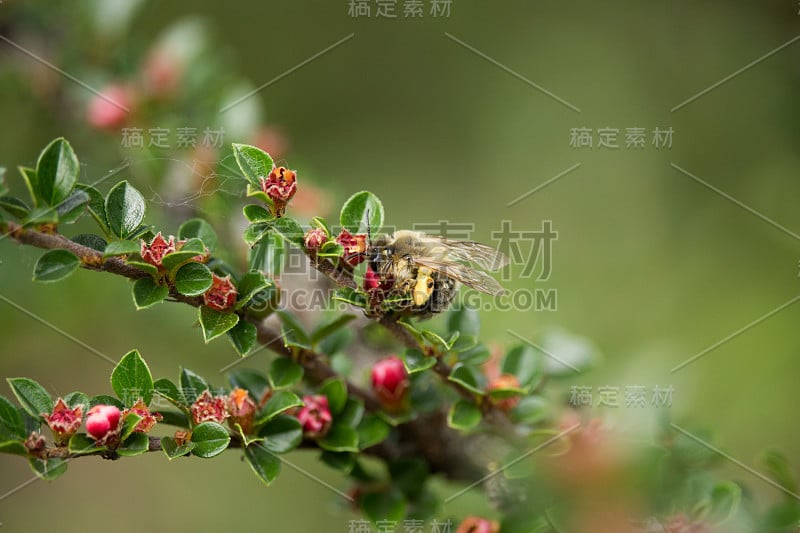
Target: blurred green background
650, 264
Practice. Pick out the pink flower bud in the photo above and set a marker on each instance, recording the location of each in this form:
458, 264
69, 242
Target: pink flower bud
148, 419
154, 252
505, 381
355, 247
109, 110
221, 295
390, 382
207, 408
242, 409
477, 524
103, 424
35, 443
63, 421
371, 280
314, 239
280, 186
315, 416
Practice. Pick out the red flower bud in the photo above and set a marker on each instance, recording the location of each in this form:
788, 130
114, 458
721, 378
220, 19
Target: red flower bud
390, 382
242, 409
103, 424
207, 408
221, 295
35, 443
371, 280
280, 186
148, 419
63, 421
505, 381
154, 252
107, 109
355, 247
477, 524
314, 239
315, 416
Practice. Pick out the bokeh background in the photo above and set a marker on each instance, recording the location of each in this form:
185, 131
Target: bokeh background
650, 264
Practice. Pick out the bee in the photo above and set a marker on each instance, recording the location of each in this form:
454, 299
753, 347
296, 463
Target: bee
420, 273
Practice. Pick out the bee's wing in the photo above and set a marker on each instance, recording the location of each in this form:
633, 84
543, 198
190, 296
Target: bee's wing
474, 252
476, 279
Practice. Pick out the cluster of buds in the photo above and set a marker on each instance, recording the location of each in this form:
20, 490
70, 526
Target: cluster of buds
478, 524
390, 383
155, 251
63, 421
148, 419
279, 186
237, 408
221, 295
315, 416
314, 239
104, 425
355, 247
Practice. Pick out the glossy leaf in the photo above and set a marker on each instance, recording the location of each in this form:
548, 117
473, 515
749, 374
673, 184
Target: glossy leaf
55, 265
131, 379
416, 361
215, 323
371, 430
340, 438
197, 228
193, 279
264, 462
361, 213
209, 439
280, 402
123, 247
56, 172
146, 293
172, 450
464, 415
468, 377
48, 469
125, 207
31, 396
284, 373
243, 337
192, 385
282, 434
11, 424
253, 162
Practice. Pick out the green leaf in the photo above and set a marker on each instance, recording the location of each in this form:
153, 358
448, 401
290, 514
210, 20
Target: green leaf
330, 327
416, 361
282, 434
253, 162
74, 399
131, 379
779, 469
267, 255
476, 355
280, 402
129, 424
193, 279
41, 215
725, 499
264, 463
330, 249
371, 431
319, 222
197, 228
13, 447
464, 415
215, 323
48, 469
250, 284
192, 385
284, 373
146, 293
438, 341
340, 438
384, 506
11, 424
71, 209
136, 444
526, 364
361, 213
464, 343
465, 320
171, 449
167, 389
175, 418
147, 267
254, 233
409, 475
104, 399
530, 410
575, 353
290, 230
55, 265
256, 213
81, 444
293, 332
209, 439
96, 206
123, 247
95, 242
243, 337
124, 208
352, 413
31, 396
468, 377
336, 392
15, 206
341, 461
190, 249
29, 177
56, 172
